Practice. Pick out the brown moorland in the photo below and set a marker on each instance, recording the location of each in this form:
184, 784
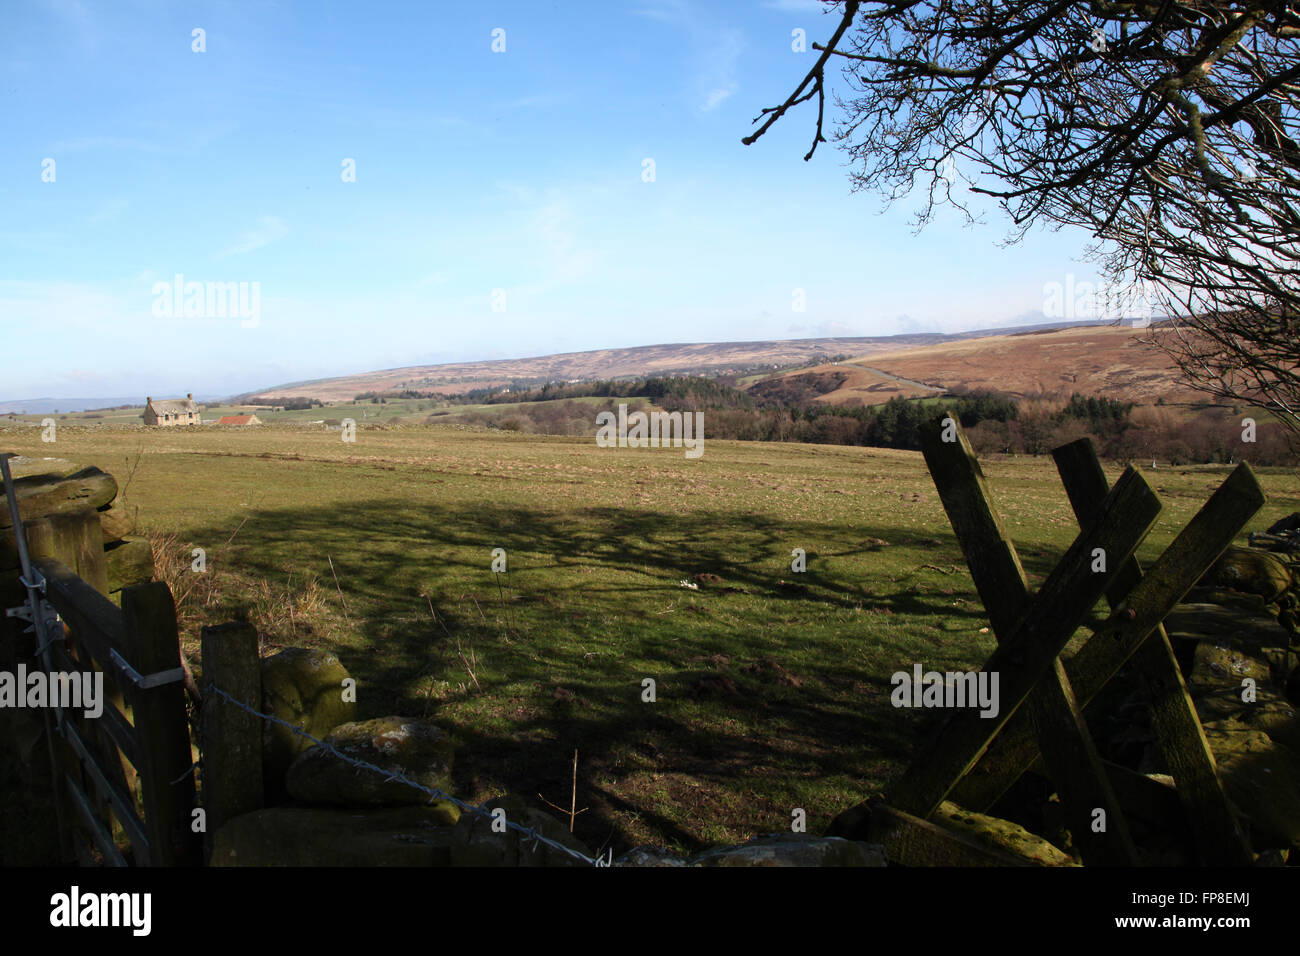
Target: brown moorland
1053, 363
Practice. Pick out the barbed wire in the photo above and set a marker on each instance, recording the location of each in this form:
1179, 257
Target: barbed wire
388, 775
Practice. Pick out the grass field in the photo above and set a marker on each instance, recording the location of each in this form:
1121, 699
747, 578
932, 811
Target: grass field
772, 686
402, 410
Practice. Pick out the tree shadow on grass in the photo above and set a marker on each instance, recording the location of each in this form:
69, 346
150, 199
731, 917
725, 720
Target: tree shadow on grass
750, 729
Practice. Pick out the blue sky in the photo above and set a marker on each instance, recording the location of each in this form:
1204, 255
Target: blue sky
520, 171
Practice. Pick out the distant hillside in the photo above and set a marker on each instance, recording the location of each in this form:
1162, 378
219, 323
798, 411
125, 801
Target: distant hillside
710, 358
1049, 363
44, 406
1096, 360
841, 384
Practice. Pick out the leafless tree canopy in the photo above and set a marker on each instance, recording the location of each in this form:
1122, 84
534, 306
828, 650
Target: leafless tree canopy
1168, 129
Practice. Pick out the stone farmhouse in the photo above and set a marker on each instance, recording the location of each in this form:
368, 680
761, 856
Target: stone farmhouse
171, 411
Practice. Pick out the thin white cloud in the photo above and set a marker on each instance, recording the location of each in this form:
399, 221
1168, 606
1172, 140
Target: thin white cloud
715, 97
269, 229
715, 50
551, 248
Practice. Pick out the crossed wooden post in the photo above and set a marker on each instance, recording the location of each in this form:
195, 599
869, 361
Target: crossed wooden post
975, 759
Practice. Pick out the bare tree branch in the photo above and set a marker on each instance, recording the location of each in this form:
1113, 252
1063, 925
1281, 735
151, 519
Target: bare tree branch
1170, 129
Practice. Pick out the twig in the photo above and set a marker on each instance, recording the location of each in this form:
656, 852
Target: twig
338, 588
481, 615
131, 474
188, 681
237, 530
435, 617
816, 76
468, 669
510, 612
288, 599
573, 797
428, 697
573, 794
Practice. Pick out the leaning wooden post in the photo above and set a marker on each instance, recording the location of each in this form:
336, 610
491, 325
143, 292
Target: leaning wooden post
231, 738
1113, 642
1030, 649
166, 771
1219, 837
1073, 763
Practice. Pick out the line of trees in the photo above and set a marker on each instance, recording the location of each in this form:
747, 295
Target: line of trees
995, 424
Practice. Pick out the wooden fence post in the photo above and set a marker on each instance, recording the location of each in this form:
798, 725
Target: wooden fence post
231, 739
79, 544
167, 776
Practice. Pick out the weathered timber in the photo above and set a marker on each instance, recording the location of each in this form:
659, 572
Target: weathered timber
1175, 572
78, 535
910, 841
45, 495
994, 564
1073, 762
96, 619
231, 737
152, 645
1219, 837
1028, 652
116, 523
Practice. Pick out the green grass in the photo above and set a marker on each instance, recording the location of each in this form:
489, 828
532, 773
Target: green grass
773, 687
411, 410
